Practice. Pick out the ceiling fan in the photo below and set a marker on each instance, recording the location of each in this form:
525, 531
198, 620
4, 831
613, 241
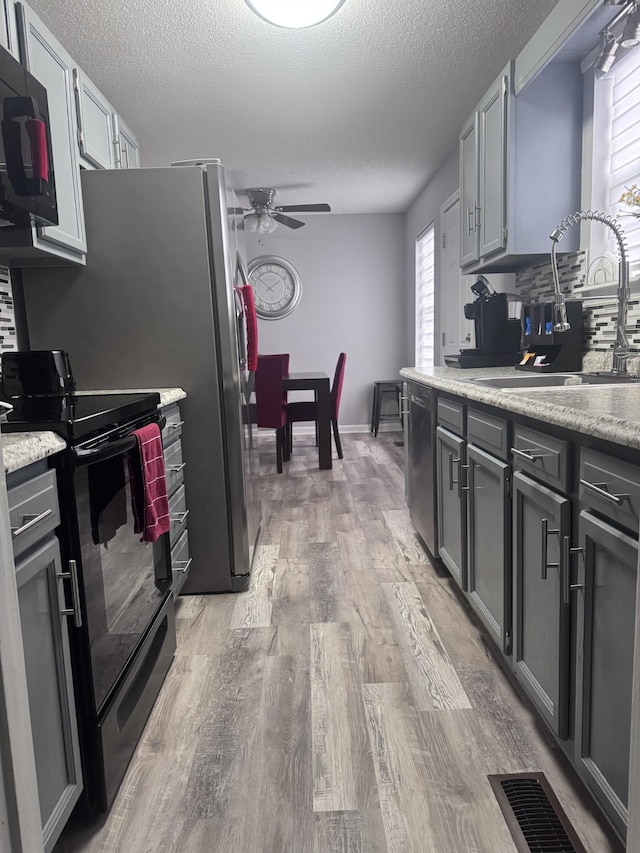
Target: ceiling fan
263, 216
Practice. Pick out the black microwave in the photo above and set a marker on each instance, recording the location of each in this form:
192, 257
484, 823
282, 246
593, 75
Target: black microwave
27, 183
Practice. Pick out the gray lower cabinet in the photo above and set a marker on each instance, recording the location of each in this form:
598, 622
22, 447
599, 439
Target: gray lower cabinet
489, 543
50, 685
541, 642
452, 516
604, 576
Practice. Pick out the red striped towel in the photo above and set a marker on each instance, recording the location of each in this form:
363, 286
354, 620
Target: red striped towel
149, 500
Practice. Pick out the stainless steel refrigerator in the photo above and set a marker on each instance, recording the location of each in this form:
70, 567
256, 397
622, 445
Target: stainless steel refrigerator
155, 307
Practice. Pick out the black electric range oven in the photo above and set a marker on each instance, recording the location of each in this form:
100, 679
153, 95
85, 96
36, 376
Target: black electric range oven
123, 630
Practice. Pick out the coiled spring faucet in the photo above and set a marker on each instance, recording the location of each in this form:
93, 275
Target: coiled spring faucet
621, 348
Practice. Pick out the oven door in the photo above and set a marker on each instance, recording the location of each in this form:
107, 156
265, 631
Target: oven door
124, 580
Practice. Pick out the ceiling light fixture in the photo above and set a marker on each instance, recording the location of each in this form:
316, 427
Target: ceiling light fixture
608, 52
294, 14
631, 32
260, 223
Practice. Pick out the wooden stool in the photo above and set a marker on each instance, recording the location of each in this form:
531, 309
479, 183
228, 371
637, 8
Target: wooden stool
392, 386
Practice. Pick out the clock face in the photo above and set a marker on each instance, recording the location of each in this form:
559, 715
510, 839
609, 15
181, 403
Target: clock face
276, 286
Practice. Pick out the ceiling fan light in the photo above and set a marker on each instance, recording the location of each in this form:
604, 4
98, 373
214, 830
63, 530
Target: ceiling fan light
251, 222
294, 14
266, 224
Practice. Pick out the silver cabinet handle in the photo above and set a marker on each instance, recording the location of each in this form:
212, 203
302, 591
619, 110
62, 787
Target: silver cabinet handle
567, 586
178, 519
462, 488
176, 425
529, 455
176, 468
600, 489
29, 522
404, 399
74, 611
470, 225
476, 217
184, 568
544, 564
117, 155
453, 482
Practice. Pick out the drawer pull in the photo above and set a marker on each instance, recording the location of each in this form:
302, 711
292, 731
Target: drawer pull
74, 611
29, 522
179, 519
185, 567
176, 468
545, 565
453, 482
600, 489
177, 425
529, 455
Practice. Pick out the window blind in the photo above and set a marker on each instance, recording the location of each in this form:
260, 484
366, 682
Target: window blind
625, 149
425, 286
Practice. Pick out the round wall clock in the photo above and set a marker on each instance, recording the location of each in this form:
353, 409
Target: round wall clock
276, 286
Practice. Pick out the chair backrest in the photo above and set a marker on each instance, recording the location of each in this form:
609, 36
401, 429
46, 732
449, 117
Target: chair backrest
270, 403
336, 388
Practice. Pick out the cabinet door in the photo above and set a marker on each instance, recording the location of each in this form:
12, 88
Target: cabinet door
469, 191
95, 123
454, 286
8, 30
490, 544
493, 166
50, 686
605, 632
452, 518
419, 463
127, 148
49, 62
542, 519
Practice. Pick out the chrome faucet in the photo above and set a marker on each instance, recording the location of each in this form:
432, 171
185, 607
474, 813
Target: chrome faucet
621, 348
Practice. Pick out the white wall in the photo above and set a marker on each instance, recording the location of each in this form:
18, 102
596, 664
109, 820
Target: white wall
352, 269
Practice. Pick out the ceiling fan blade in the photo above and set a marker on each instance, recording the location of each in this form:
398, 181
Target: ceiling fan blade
287, 220
304, 208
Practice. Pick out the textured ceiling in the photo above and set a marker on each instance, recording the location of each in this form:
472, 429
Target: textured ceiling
358, 112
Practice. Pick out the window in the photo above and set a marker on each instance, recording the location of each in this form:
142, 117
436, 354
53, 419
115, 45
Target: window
425, 284
615, 161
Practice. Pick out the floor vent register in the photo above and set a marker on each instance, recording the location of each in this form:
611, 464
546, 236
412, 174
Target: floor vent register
533, 814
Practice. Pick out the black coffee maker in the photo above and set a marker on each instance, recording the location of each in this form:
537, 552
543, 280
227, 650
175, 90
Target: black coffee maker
497, 335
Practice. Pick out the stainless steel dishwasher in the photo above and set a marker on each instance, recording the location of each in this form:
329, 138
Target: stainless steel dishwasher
420, 487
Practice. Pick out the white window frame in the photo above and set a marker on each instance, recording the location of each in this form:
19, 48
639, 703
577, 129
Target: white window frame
597, 150
425, 295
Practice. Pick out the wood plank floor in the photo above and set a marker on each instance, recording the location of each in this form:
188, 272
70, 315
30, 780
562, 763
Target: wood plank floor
348, 703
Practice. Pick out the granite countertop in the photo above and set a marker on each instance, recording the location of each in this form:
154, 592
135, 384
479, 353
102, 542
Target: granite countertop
20, 449
609, 412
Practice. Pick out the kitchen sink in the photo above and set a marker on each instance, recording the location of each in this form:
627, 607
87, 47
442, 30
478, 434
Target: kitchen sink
552, 380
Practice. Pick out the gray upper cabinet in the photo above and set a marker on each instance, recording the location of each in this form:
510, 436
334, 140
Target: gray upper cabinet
49, 62
50, 686
127, 148
469, 191
95, 124
489, 527
452, 519
529, 162
541, 521
8, 29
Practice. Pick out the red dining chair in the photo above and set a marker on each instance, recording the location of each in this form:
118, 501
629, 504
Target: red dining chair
308, 411
271, 403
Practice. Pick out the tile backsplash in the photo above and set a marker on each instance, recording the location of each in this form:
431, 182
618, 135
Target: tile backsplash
8, 337
599, 319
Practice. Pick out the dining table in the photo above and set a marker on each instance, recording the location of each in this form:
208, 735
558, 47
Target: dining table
319, 383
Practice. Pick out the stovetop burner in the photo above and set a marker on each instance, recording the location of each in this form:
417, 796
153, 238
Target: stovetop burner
76, 416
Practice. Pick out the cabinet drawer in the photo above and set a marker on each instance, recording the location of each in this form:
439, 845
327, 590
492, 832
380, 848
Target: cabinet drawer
33, 510
174, 466
542, 456
451, 415
611, 487
173, 427
178, 513
180, 563
488, 432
